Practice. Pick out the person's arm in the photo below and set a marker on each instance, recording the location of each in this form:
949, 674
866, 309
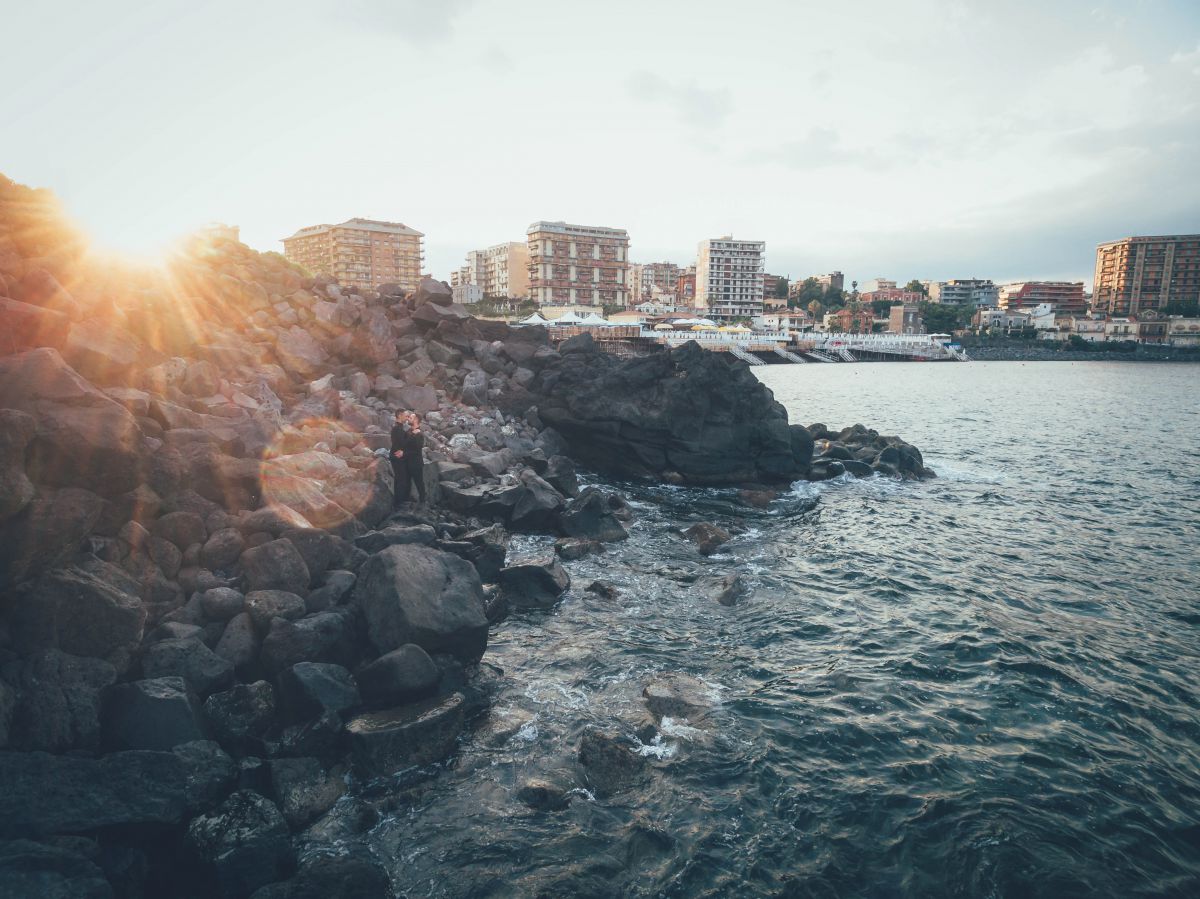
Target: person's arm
397, 443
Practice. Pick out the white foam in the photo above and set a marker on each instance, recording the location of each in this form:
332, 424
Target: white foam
657, 748
679, 728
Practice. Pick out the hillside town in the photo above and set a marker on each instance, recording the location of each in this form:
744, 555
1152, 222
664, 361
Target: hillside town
1146, 290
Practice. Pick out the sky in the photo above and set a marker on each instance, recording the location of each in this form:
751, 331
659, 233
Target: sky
923, 139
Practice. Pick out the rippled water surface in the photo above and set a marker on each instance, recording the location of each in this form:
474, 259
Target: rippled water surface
982, 685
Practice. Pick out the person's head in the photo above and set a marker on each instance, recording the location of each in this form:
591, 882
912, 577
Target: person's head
401, 416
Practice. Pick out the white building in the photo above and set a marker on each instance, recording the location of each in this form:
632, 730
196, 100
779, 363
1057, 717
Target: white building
962, 291
500, 271
467, 294
729, 277
1183, 331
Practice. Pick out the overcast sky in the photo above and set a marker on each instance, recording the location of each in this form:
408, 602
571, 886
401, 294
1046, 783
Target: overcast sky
925, 138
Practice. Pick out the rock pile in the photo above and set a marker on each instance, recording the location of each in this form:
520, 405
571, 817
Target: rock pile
211, 617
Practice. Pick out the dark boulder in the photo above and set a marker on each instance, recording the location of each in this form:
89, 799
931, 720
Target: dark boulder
685, 415
57, 701
49, 871
242, 845
181, 528
678, 696
264, 606
310, 689
396, 535
610, 761
354, 876
17, 429
726, 589
303, 789
603, 589
592, 518
402, 675
420, 734
157, 713
242, 716
202, 669
543, 795
320, 637
277, 565
43, 794
534, 583
239, 643
415, 594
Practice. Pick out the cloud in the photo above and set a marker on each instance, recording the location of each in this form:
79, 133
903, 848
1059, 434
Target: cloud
695, 106
823, 148
417, 21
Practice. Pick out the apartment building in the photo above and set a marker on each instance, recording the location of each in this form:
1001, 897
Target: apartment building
892, 294
771, 292
1066, 296
1139, 273
964, 291
501, 271
729, 277
832, 281
685, 287
578, 264
362, 253
905, 318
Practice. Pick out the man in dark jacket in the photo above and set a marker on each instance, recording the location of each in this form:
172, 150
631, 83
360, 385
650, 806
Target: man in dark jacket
407, 465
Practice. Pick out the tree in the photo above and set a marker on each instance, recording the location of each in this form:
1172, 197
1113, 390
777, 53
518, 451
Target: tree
943, 319
881, 307
816, 310
917, 287
781, 288
809, 290
1188, 310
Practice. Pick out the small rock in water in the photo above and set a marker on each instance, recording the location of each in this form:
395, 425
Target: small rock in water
603, 589
707, 536
611, 761
573, 548
726, 590
543, 795
678, 696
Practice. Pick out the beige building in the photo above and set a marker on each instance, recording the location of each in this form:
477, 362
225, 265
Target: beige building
1140, 273
501, 271
361, 253
578, 264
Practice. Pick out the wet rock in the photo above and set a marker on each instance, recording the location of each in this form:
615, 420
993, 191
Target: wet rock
590, 517
402, 675
156, 713
277, 565
242, 716
610, 761
242, 844
420, 734
51, 794
727, 589
56, 704
759, 499
534, 583
543, 795
573, 548
414, 594
303, 789
265, 605
603, 589
678, 696
202, 669
323, 738
333, 877
560, 474
45, 871
309, 689
538, 505
707, 536
489, 548
826, 469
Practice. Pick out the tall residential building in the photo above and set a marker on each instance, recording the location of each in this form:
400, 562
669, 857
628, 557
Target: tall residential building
771, 299
501, 271
578, 264
1067, 296
832, 281
729, 277
1139, 273
361, 253
976, 292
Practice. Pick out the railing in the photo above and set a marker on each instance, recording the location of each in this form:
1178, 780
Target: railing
738, 352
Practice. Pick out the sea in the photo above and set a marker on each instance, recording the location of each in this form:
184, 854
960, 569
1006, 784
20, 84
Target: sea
985, 684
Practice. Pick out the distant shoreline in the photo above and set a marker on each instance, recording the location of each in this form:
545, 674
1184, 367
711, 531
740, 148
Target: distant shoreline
1046, 354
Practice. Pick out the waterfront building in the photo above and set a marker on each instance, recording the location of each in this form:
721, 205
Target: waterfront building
362, 253
1183, 331
1065, 296
893, 295
1000, 320
1089, 329
851, 321
905, 318
729, 277
1138, 273
582, 264
500, 271
963, 291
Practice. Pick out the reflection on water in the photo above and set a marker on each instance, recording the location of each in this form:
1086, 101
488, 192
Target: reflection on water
985, 684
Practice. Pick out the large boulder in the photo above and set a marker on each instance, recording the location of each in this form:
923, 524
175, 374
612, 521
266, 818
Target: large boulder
310, 689
104, 353
49, 871
277, 565
158, 713
57, 701
320, 637
534, 583
685, 415
88, 611
590, 517
17, 429
300, 354
415, 594
47, 531
402, 675
42, 794
188, 658
385, 742
610, 761
242, 716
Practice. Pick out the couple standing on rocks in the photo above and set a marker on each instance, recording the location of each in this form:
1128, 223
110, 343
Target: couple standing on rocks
408, 440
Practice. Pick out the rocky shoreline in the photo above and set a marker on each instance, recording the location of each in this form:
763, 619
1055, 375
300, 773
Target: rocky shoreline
216, 632
1025, 353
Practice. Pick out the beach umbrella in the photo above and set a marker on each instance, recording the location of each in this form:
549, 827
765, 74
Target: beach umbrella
535, 319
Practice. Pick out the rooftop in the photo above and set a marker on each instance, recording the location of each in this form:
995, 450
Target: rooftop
360, 224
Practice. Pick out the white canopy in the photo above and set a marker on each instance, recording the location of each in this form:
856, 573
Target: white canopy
535, 319
689, 322
593, 319
569, 318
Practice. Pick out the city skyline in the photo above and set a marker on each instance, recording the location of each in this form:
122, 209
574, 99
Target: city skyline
932, 141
